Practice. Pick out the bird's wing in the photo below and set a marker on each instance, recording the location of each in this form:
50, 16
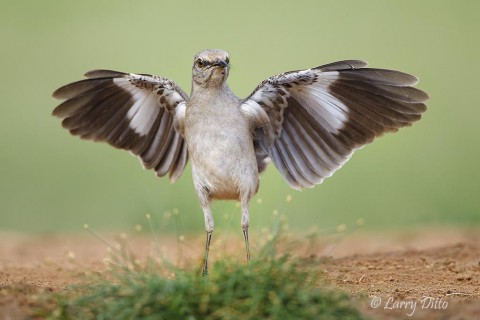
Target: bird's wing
139, 113
319, 116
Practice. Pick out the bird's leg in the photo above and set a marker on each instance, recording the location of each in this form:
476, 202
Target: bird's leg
245, 224
247, 244
205, 259
207, 213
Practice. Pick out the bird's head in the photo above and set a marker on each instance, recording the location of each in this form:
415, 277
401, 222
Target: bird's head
210, 68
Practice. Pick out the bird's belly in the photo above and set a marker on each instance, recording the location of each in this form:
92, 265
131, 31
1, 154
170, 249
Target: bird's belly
224, 165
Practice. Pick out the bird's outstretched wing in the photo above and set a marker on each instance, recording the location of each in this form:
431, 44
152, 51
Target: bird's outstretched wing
319, 116
129, 111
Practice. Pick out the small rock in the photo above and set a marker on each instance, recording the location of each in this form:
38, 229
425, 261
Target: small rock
464, 277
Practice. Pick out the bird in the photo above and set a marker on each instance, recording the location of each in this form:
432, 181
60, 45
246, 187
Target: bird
308, 123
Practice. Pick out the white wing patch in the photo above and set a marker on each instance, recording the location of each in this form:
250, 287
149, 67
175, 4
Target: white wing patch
143, 112
147, 103
144, 118
319, 103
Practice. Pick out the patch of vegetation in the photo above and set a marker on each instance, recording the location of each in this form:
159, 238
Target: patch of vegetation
269, 287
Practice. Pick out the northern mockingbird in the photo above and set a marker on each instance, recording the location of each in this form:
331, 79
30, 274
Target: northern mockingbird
308, 123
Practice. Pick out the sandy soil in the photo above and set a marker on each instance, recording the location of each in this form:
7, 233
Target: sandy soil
428, 274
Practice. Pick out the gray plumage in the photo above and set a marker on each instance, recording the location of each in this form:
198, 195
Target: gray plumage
307, 122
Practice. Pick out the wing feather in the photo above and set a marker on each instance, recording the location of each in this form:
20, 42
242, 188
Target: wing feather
285, 166
180, 163
304, 155
320, 116
129, 111
321, 154
170, 154
302, 169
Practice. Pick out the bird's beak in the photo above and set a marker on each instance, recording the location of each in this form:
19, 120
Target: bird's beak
221, 64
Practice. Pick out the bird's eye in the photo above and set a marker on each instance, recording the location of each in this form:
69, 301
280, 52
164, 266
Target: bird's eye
227, 60
200, 63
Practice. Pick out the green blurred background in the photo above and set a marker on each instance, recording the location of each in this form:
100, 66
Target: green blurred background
424, 175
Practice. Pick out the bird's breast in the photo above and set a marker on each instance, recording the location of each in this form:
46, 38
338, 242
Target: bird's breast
221, 150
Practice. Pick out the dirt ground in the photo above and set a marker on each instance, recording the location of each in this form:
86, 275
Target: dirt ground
427, 274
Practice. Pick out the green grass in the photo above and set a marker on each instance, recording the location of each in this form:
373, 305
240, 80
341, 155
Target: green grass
271, 286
